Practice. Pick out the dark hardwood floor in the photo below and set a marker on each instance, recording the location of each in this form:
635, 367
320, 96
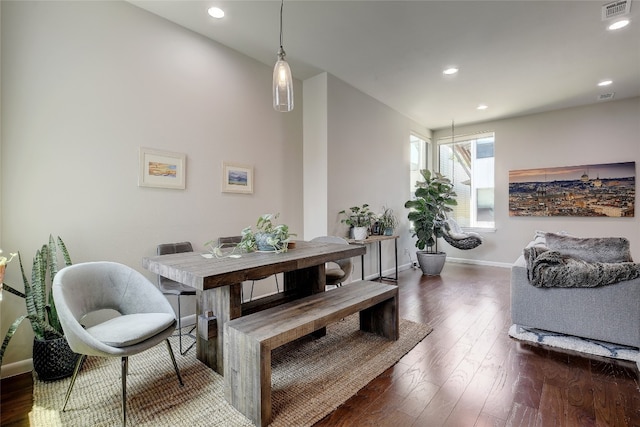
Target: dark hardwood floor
467, 372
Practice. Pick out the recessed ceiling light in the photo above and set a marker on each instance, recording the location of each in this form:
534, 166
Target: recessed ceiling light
605, 82
450, 71
618, 24
216, 12
482, 107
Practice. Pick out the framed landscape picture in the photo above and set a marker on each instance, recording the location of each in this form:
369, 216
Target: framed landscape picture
598, 190
162, 169
237, 178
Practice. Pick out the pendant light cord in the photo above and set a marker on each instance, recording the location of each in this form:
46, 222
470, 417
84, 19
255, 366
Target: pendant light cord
453, 158
281, 8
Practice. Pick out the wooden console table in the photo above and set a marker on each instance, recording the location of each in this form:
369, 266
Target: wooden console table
378, 239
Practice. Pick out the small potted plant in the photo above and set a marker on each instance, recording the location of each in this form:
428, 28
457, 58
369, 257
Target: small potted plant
388, 221
434, 198
359, 218
267, 237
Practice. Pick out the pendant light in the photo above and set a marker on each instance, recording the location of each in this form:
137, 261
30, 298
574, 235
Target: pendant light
282, 80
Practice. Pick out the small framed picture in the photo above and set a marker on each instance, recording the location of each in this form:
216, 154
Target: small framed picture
161, 169
237, 178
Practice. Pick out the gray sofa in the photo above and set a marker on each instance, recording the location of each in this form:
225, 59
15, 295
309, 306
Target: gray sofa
607, 313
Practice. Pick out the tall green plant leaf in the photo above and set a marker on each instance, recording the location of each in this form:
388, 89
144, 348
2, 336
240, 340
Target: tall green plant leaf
11, 290
9, 335
54, 320
52, 256
65, 252
28, 297
39, 286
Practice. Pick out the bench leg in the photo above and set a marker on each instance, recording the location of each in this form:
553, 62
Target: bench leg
247, 376
382, 319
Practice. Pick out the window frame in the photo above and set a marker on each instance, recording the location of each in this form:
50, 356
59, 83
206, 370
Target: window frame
427, 150
475, 225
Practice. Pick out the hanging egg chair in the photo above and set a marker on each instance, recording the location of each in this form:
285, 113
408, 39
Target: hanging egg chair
456, 237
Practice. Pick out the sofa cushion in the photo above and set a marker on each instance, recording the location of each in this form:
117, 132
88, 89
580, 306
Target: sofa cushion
590, 249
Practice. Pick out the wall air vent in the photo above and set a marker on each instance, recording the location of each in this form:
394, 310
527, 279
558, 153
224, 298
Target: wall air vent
615, 9
606, 96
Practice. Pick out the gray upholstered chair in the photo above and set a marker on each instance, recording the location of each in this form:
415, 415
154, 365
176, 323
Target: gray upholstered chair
146, 317
173, 288
336, 276
232, 241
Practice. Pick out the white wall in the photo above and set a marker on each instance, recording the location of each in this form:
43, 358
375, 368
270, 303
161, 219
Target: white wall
368, 152
315, 170
600, 133
85, 84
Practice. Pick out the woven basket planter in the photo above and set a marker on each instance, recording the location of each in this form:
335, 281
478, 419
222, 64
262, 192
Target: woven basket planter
53, 359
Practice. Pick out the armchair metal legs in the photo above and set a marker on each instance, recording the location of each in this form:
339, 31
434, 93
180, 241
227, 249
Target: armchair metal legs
173, 360
125, 371
189, 334
73, 379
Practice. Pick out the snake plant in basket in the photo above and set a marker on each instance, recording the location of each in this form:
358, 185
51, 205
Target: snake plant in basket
52, 357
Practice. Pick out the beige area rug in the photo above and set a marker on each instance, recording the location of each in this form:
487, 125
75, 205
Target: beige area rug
310, 378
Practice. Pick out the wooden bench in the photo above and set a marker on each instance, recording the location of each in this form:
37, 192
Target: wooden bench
250, 339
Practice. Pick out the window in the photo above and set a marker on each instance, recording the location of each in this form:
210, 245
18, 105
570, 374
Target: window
469, 162
419, 159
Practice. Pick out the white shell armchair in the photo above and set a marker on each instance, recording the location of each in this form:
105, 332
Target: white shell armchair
146, 316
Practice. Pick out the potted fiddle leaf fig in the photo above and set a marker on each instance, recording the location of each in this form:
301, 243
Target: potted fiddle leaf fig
52, 356
433, 199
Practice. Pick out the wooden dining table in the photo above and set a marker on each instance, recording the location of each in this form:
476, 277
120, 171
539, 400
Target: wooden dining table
218, 284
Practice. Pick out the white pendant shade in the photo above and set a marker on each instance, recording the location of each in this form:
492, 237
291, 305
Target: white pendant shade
282, 85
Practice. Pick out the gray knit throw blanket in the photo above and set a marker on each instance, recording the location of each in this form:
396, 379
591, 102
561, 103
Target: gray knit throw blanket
547, 269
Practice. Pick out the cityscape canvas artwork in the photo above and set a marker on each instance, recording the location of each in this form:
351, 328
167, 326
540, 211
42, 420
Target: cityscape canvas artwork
607, 190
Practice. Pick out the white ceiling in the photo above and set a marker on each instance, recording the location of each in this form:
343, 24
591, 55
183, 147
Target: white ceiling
517, 57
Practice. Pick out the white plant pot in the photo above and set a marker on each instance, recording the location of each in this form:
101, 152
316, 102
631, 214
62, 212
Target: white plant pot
360, 233
431, 264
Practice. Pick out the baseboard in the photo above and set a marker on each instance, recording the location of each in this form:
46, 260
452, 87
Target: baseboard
479, 262
188, 320
16, 368
392, 271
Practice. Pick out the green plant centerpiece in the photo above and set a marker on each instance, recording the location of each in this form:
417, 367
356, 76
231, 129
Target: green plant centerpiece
52, 357
388, 221
359, 220
267, 236
433, 199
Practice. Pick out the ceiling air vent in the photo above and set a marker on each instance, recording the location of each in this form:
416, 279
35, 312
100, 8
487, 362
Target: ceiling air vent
616, 8
606, 96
